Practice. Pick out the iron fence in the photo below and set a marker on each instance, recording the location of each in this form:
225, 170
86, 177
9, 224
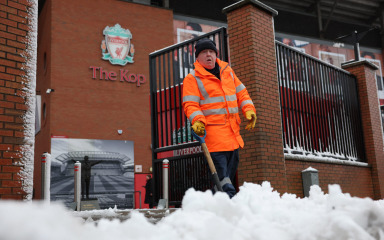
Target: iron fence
319, 107
171, 130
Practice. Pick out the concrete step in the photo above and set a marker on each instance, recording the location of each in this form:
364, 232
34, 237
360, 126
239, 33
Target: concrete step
153, 215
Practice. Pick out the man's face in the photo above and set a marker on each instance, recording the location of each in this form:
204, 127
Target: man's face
207, 58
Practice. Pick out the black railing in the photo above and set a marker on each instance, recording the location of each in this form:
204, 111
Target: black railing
184, 172
319, 107
171, 130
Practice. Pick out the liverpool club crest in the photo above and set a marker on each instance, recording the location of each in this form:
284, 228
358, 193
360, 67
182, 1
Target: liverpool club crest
117, 47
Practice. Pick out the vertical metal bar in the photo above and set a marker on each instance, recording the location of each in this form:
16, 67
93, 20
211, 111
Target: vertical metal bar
172, 178
326, 107
223, 50
320, 107
154, 117
77, 175
170, 86
165, 182
314, 105
43, 169
337, 112
295, 98
301, 102
187, 130
190, 67
291, 114
307, 100
181, 112
177, 178
153, 96
160, 91
313, 87
343, 110
283, 104
45, 176
331, 117
175, 85
279, 79
289, 107
166, 103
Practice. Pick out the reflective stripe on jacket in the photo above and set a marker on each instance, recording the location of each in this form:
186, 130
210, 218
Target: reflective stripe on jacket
216, 103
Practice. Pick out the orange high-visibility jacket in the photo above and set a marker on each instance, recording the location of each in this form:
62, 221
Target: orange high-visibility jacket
216, 103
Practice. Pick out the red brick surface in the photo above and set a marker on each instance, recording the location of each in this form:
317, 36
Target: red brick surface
355, 180
371, 125
12, 13
87, 108
252, 48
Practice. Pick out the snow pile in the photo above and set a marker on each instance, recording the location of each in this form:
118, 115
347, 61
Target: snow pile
256, 212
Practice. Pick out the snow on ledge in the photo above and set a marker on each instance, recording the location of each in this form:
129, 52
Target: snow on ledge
310, 169
324, 160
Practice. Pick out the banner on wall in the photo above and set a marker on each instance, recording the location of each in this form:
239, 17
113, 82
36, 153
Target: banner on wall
111, 173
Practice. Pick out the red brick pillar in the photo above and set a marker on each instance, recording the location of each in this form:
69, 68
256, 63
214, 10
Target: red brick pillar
17, 48
370, 114
252, 53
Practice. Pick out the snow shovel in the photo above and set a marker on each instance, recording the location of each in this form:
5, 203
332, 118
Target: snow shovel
209, 159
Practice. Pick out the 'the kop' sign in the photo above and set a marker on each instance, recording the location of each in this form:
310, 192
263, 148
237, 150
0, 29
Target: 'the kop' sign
122, 76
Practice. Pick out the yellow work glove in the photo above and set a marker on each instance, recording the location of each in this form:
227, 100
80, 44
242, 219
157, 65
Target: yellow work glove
251, 116
199, 128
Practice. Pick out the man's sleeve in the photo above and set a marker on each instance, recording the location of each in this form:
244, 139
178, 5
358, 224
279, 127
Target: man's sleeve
243, 99
191, 100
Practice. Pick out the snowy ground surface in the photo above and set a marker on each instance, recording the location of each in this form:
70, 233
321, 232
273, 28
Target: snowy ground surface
256, 212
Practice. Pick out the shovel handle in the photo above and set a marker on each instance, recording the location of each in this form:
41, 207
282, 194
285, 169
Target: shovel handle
212, 167
209, 159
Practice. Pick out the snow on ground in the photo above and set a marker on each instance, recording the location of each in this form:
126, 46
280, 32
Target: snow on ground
256, 212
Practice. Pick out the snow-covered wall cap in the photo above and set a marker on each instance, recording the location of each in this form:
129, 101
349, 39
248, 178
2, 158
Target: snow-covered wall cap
256, 3
361, 62
310, 169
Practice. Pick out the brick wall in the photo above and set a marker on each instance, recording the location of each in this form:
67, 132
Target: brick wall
252, 49
355, 180
87, 108
13, 37
371, 125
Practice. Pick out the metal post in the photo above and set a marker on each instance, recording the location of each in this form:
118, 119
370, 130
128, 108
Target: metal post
165, 182
77, 174
310, 177
45, 176
356, 48
139, 199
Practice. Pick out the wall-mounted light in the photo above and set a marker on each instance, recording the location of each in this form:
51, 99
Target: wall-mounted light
120, 131
49, 90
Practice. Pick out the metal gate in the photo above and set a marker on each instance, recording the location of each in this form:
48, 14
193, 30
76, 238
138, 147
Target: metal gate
319, 107
171, 130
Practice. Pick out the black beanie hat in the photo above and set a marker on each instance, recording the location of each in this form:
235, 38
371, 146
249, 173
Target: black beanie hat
203, 44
